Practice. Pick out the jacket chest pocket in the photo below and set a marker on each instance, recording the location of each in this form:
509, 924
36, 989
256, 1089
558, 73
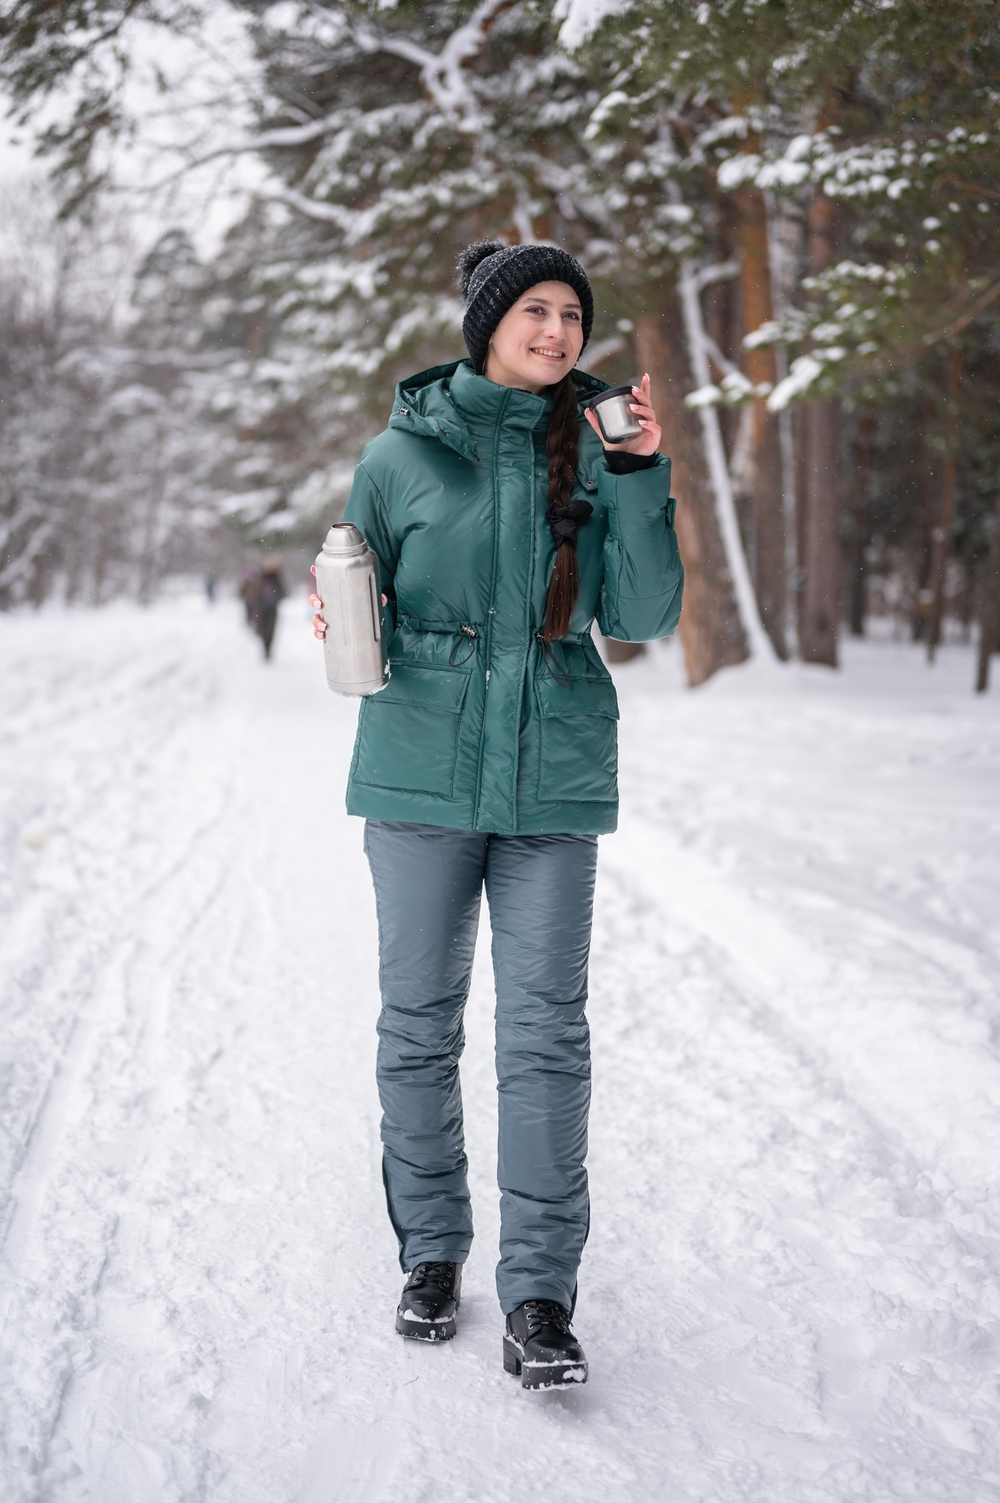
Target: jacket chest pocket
577, 740
408, 732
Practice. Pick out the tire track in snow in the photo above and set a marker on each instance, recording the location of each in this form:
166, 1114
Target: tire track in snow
44, 1139
796, 1256
41, 943
90, 701
251, 852
106, 1024
186, 900
816, 991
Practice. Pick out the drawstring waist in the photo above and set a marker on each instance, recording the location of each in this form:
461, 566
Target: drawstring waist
464, 630
556, 669
418, 623
469, 634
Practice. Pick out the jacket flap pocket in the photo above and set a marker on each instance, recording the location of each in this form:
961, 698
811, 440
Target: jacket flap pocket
586, 473
580, 696
431, 688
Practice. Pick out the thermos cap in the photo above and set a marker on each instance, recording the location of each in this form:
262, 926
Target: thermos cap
616, 421
604, 396
344, 537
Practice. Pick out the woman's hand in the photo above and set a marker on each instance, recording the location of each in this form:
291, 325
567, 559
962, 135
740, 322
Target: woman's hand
648, 440
318, 624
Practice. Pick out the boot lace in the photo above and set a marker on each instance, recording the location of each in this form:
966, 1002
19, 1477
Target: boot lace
442, 1274
545, 1312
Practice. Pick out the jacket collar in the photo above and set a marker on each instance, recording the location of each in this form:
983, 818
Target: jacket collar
423, 404
488, 403
438, 403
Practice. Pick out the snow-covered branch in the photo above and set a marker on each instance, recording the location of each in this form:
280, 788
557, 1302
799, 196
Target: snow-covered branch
604, 350
443, 74
717, 271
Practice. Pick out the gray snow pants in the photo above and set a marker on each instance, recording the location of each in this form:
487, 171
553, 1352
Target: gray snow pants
540, 889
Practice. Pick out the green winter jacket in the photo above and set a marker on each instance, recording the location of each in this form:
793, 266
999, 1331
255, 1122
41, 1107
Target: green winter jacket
481, 727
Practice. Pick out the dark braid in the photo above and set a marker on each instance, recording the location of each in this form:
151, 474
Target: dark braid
564, 515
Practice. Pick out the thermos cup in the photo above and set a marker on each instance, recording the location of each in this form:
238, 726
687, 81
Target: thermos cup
610, 408
347, 582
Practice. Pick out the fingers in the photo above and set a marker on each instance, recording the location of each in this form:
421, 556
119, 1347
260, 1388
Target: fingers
385, 600
643, 406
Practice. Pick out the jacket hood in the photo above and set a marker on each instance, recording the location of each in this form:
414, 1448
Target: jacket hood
424, 405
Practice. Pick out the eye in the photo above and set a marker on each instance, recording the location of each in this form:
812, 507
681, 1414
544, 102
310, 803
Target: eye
534, 309
572, 314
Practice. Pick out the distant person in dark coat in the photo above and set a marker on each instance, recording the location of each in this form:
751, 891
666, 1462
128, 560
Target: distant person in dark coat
269, 594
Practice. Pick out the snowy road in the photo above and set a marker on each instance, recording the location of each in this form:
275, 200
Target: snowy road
792, 1287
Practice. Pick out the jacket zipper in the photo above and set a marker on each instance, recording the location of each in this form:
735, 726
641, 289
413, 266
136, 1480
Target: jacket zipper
493, 596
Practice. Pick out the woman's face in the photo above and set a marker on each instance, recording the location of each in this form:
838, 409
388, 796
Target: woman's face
538, 340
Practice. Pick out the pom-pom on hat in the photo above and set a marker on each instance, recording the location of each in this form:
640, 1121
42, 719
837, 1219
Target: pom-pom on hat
493, 276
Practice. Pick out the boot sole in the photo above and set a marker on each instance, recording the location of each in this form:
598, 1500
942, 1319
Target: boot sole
426, 1330
535, 1375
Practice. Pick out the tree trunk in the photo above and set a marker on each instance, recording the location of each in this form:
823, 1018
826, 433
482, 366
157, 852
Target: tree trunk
925, 547
767, 553
820, 616
941, 536
38, 584
710, 628
861, 531
989, 610
965, 605
798, 424
819, 601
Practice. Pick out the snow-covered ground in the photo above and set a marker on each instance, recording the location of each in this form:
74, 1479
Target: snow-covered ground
791, 1290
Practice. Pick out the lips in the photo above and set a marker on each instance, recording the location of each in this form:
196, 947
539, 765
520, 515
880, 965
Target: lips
547, 352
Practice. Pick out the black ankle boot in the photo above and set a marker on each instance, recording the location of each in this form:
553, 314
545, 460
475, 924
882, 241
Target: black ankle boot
540, 1348
431, 1296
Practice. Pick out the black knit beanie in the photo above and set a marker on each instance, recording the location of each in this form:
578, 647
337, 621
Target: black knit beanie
493, 276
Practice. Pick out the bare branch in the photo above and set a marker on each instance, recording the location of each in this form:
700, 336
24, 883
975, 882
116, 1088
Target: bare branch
978, 190
713, 352
977, 306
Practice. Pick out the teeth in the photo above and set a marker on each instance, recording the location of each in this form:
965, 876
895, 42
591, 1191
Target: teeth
541, 350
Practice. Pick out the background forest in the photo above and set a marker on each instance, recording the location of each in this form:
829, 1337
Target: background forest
244, 226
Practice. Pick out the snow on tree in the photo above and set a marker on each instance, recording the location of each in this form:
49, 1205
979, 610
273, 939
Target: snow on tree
787, 211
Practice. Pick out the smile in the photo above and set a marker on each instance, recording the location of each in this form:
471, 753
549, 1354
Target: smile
547, 353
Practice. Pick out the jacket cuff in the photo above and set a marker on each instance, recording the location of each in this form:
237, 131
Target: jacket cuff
621, 462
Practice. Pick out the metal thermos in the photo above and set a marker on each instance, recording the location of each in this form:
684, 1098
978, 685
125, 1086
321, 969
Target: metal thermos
347, 582
617, 424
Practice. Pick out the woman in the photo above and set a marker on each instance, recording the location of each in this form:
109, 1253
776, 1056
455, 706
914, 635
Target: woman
502, 529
